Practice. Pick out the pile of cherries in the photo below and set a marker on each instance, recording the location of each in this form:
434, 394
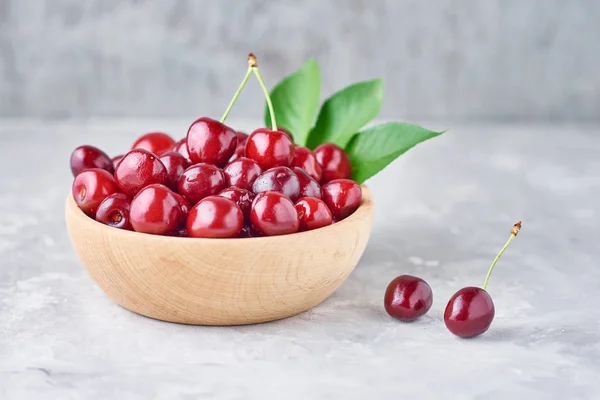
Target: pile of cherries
216, 183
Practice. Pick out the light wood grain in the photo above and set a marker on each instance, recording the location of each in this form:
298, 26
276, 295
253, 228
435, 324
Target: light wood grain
220, 281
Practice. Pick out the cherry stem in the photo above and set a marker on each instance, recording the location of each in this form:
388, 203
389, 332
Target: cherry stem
513, 234
237, 94
253, 64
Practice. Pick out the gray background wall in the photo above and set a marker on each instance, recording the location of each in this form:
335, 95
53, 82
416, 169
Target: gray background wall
442, 59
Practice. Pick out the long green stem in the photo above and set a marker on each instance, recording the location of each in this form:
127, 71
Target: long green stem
237, 94
264, 87
513, 234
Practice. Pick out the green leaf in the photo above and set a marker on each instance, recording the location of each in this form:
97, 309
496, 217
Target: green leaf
373, 149
296, 101
346, 112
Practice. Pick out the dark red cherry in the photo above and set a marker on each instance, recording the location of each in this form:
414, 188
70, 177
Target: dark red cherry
242, 197
342, 196
115, 160
155, 210
248, 231
155, 142
305, 159
86, 157
175, 164
138, 169
270, 148
114, 211
91, 187
273, 213
240, 150
241, 137
199, 181
308, 186
287, 132
241, 173
407, 298
334, 162
183, 203
181, 231
215, 217
279, 179
313, 213
181, 148
469, 312
210, 141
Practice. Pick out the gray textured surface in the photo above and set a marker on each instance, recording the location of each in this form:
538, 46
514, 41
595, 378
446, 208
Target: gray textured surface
493, 59
442, 212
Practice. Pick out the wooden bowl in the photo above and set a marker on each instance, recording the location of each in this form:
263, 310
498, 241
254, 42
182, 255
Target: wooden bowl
220, 281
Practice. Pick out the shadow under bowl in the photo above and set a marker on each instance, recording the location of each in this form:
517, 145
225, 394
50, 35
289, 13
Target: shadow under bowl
220, 281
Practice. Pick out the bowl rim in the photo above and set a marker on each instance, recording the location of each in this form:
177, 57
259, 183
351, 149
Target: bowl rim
365, 207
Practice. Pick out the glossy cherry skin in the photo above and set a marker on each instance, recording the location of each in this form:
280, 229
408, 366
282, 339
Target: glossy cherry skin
270, 148
242, 197
115, 160
86, 157
279, 179
308, 186
240, 149
334, 162
181, 148
155, 210
342, 196
313, 213
241, 172
156, 143
469, 312
305, 159
286, 131
273, 213
407, 298
215, 217
183, 203
210, 141
199, 181
91, 187
138, 169
175, 164
114, 211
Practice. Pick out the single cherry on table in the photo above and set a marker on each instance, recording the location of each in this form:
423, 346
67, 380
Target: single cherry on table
470, 311
138, 169
156, 143
91, 187
86, 157
407, 298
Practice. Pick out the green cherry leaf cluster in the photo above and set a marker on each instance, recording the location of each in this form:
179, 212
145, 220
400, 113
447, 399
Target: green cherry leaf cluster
342, 119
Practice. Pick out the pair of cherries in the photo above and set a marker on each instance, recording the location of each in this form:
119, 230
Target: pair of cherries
469, 312
212, 184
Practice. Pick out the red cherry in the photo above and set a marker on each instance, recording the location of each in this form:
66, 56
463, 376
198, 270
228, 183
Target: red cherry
86, 157
155, 210
114, 211
241, 137
240, 150
286, 131
215, 217
175, 164
273, 213
91, 187
155, 142
242, 197
469, 312
199, 181
248, 231
313, 213
241, 173
270, 148
115, 160
305, 159
408, 298
138, 169
308, 186
342, 196
334, 162
279, 179
181, 148
210, 141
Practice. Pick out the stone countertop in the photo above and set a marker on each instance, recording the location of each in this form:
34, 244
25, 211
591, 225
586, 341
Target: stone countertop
443, 210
